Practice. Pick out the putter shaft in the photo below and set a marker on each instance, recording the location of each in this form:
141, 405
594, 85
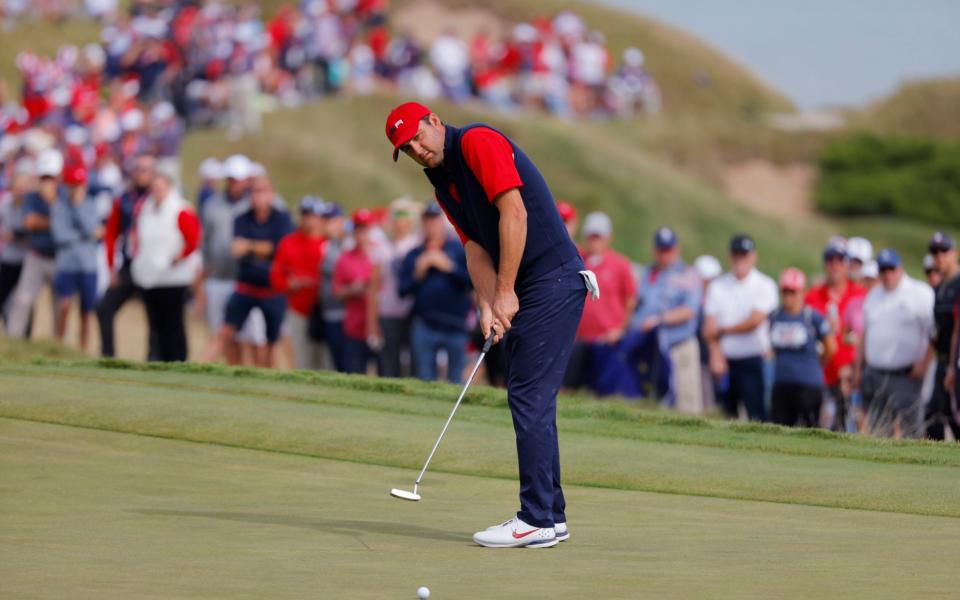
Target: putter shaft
486, 348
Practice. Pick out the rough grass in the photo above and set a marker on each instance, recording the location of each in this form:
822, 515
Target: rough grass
926, 108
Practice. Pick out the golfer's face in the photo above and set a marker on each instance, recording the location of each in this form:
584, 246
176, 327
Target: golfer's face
426, 148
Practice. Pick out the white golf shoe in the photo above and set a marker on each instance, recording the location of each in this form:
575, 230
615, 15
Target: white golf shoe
563, 534
515, 534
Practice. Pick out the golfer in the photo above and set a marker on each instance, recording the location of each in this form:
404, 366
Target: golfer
530, 291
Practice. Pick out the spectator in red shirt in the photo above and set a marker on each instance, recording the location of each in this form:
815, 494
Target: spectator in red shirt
831, 299
355, 280
605, 320
296, 272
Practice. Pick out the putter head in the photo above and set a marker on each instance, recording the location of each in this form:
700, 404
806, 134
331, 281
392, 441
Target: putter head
405, 495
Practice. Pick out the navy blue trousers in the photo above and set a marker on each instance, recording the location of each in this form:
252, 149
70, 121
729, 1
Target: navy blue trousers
538, 349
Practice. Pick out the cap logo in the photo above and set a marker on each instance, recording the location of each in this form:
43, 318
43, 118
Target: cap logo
395, 127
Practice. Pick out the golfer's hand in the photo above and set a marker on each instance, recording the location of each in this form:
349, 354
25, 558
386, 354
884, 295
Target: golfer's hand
950, 378
919, 370
505, 307
488, 325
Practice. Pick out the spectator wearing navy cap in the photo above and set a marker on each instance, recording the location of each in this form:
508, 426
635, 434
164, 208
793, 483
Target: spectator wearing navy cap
895, 351
296, 272
832, 299
435, 275
356, 284
670, 295
941, 411
39, 265
335, 230
736, 312
530, 286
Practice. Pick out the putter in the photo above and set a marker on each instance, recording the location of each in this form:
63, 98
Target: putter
414, 496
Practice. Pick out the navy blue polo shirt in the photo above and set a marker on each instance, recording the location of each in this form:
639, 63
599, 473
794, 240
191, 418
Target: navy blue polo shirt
41, 241
441, 299
479, 163
254, 270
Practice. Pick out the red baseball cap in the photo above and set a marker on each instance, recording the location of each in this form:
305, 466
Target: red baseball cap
793, 279
74, 175
363, 217
403, 122
567, 211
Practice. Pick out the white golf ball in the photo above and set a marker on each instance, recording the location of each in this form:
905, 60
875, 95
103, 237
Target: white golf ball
423, 592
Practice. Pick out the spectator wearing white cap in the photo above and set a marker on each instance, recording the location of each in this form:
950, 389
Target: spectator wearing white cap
860, 252
220, 265
895, 350
39, 265
670, 295
14, 240
736, 327
708, 268
604, 321
796, 331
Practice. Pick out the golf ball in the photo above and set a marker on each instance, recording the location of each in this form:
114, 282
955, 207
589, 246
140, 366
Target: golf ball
423, 592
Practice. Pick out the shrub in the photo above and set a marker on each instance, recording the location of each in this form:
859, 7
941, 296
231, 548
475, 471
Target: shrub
871, 175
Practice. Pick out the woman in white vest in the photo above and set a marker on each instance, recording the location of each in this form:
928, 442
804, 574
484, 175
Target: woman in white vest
165, 263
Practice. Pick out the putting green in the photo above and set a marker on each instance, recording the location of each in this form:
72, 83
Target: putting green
113, 502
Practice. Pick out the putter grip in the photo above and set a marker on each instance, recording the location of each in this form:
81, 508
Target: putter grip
487, 344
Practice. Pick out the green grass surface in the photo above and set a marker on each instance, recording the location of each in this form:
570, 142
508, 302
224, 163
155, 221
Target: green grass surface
194, 482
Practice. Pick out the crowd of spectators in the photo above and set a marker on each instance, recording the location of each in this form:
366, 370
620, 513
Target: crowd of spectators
224, 64
386, 290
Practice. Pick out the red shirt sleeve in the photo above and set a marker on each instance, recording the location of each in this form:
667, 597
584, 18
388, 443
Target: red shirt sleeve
490, 156
111, 232
460, 234
189, 226
278, 269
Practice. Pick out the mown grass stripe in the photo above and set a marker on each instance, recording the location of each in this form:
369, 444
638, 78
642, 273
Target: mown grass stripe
468, 473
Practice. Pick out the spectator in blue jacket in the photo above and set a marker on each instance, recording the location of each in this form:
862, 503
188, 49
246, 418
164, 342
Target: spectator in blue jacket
435, 274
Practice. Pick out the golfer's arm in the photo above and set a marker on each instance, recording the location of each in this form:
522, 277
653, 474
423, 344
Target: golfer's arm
513, 236
678, 315
482, 273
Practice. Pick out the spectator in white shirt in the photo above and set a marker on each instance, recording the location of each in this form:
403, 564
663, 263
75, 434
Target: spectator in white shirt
736, 312
894, 352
